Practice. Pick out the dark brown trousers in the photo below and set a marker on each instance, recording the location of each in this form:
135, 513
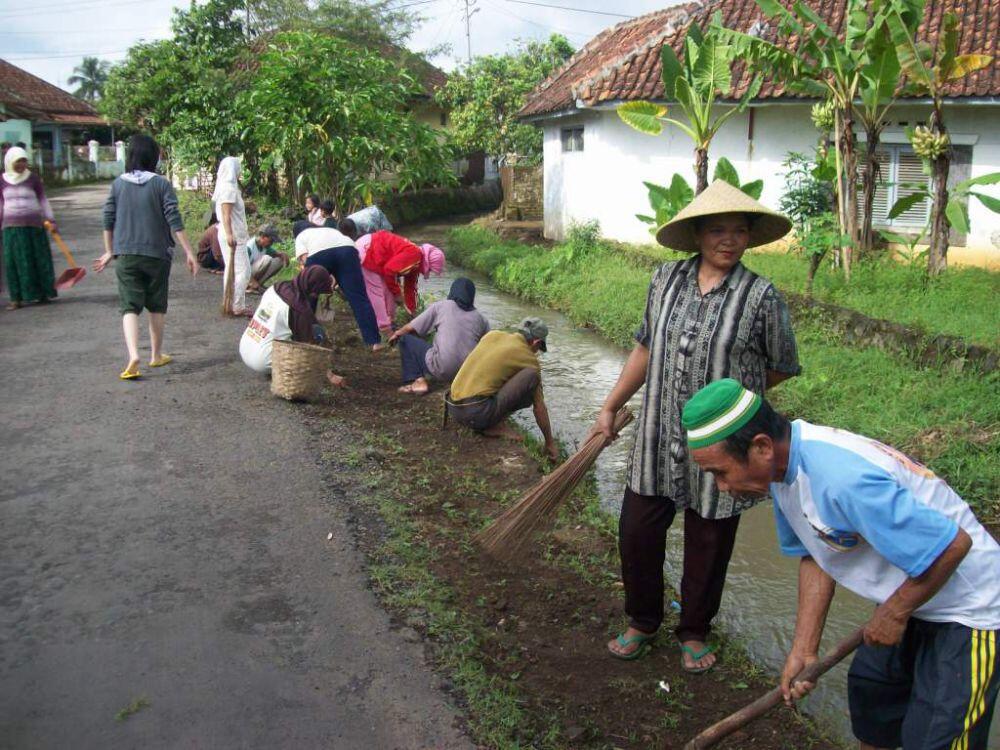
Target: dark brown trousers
708, 545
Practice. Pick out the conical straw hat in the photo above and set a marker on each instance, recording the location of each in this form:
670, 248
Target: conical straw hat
722, 198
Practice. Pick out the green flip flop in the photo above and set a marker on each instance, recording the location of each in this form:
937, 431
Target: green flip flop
642, 639
695, 655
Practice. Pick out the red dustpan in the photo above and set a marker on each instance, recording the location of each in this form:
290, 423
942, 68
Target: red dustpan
74, 273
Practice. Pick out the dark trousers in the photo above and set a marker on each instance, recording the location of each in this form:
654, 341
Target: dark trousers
412, 352
344, 265
708, 545
516, 394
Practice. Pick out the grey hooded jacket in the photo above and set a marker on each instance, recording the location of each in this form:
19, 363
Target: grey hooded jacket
142, 211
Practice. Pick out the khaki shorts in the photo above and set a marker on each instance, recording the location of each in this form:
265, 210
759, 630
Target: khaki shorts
143, 282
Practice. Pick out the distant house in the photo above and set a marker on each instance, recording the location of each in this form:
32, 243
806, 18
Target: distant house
41, 115
595, 164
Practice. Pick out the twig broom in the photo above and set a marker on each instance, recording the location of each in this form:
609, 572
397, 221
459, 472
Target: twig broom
513, 530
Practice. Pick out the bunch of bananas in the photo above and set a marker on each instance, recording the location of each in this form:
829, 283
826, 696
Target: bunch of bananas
927, 144
823, 115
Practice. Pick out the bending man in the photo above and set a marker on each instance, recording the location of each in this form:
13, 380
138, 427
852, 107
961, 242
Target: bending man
864, 515
502, 375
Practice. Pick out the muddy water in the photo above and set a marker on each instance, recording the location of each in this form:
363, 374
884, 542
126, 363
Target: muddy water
760, 598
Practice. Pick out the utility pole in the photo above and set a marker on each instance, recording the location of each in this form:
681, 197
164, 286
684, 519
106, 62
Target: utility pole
470, 11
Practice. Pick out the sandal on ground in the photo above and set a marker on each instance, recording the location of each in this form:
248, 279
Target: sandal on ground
642, 639
129, 374
14, 306
165, 359
695, 656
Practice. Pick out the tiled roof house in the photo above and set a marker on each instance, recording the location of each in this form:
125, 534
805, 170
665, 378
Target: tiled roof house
595, 165
38, 113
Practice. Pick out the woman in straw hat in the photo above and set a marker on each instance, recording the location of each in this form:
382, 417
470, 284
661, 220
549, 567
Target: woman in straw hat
707, 317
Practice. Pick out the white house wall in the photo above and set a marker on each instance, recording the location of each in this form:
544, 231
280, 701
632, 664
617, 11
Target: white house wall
604, 182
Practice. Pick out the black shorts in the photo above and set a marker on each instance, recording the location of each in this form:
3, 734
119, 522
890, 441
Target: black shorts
934, 691
143, 282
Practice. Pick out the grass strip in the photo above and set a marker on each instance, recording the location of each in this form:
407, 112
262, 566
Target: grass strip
951, 421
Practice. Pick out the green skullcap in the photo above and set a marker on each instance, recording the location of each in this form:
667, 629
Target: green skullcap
717, 411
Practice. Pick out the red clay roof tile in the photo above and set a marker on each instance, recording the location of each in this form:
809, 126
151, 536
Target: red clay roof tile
622, 63
25, 92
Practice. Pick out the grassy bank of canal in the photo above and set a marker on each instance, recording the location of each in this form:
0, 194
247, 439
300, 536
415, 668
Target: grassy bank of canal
949, 420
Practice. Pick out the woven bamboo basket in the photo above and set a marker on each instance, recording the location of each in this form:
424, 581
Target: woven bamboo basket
298, 370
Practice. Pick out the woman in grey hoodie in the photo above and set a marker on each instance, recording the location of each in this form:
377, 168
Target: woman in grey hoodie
141, 221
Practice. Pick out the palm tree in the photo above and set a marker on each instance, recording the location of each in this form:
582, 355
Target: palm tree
89, 78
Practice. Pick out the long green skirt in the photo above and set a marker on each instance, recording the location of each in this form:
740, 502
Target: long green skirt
27, 260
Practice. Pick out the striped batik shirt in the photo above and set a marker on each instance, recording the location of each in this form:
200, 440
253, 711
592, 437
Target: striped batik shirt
740, 329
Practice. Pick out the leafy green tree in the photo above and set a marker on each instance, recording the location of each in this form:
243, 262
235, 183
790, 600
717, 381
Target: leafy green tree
332, 118
928, 70
695, 84
89, 78
485, 97
183, 90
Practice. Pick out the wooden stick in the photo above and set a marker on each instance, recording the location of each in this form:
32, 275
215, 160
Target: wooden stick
772, 698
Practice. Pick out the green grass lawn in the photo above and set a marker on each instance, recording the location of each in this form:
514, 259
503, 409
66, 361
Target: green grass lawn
949, 420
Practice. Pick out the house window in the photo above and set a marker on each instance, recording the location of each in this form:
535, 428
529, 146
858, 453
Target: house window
900, 169
572, 139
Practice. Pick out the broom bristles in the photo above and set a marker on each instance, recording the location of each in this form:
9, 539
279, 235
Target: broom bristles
514, 529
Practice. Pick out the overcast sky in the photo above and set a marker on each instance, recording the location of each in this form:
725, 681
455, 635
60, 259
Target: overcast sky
49, 38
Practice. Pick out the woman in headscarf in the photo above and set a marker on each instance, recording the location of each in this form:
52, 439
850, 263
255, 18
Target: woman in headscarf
386, 258
24, 209
458, 326
287, 312
233, 233
707, 317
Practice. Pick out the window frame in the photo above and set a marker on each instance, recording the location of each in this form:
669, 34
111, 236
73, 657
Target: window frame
572, 139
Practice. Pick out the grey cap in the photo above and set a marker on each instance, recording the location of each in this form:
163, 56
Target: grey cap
534, 328
269, 230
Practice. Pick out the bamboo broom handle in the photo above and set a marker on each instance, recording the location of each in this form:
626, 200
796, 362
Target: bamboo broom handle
772, 698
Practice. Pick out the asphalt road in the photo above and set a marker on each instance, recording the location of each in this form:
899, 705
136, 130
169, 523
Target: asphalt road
166, 540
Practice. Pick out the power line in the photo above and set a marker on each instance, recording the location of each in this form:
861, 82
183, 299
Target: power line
567, 32
71, 54
69, 8
574, 10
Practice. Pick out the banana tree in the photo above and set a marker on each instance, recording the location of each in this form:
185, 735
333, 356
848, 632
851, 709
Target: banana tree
876, 94
694, 84
929, 69
822, 65
667, 201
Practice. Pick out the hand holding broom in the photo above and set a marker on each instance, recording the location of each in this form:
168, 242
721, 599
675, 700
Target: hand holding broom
512, 532
719, 731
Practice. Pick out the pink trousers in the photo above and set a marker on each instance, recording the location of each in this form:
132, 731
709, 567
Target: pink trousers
381, 298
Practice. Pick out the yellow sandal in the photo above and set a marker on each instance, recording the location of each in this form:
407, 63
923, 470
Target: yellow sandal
165, 359
130, 374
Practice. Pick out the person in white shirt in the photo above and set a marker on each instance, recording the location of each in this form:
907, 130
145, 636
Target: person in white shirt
328, 248
863, 515
233, 233
287, 313
310, 240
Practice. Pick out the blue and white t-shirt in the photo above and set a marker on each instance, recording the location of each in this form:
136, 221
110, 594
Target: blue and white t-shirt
871, 517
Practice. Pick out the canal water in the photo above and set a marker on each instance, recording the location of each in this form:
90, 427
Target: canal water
760, 598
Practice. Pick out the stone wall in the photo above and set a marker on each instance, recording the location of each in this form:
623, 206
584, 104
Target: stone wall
523, 192
436, 203
854, 328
